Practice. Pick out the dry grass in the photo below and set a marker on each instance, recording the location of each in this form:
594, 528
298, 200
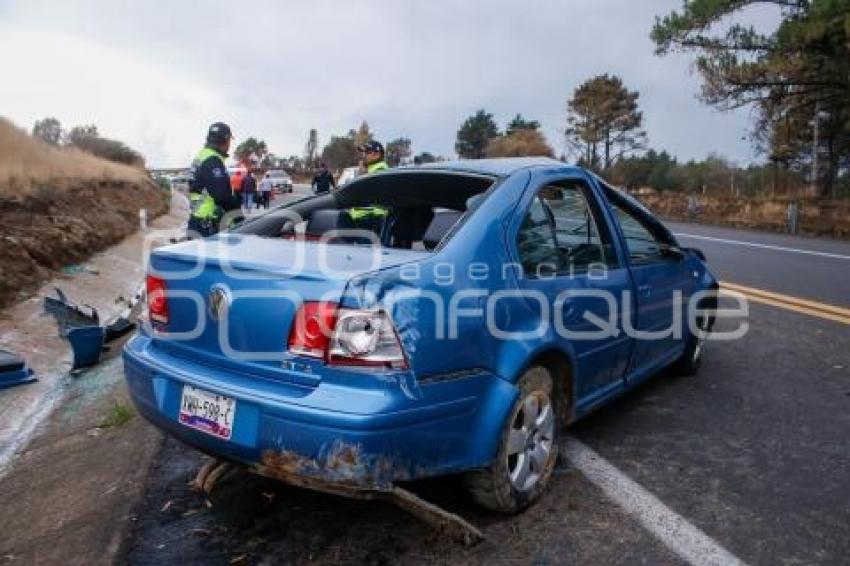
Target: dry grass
26, 162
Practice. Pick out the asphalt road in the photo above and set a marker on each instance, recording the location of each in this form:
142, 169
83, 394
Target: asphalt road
804, 267
753, 453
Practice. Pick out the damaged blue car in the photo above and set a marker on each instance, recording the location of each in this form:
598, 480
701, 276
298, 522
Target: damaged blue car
443, 319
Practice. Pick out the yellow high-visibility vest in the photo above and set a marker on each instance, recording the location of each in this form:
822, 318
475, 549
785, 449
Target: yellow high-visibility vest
202, 205
366, 211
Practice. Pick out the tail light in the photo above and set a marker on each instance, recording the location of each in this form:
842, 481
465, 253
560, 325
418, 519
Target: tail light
341, 336
312, 328
365, 337
157, 301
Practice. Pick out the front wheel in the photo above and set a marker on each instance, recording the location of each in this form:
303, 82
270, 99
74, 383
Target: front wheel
691, 359
528, 449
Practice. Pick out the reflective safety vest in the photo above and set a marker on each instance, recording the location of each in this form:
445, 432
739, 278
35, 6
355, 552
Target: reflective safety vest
201, 204
368, 211
377, 166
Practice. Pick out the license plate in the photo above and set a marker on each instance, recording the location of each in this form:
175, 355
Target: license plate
207, 412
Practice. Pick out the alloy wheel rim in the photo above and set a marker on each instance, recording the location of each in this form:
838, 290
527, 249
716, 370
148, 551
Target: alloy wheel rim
701, 338
530, 441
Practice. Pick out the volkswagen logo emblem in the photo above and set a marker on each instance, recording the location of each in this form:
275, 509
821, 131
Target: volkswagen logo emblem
219, 300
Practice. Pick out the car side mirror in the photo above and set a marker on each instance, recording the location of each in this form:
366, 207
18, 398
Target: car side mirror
696, 251
673, 252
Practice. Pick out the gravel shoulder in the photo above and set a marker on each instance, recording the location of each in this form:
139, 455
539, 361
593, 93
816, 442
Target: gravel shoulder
67, 499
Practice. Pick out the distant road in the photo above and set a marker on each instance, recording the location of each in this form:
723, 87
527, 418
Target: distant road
298, 191
811, 268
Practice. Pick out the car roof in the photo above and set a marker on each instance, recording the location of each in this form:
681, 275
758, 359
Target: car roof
500, 167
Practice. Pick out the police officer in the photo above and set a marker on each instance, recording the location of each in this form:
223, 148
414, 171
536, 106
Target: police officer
210, 193
371, 217
373, 156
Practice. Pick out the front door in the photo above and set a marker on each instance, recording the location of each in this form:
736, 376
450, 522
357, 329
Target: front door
660, 297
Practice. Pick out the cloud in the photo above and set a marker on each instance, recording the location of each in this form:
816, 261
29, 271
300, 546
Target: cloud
154, 74
80, 81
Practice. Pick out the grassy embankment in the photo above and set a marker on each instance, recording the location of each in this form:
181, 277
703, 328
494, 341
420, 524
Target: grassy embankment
58, 206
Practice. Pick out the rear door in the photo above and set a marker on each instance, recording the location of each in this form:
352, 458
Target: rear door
567, 254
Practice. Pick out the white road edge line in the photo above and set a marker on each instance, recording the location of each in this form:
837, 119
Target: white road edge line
33, 417
677, 534
764, 246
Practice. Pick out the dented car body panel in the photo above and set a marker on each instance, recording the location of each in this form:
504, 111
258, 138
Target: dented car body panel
347, 428
394, 436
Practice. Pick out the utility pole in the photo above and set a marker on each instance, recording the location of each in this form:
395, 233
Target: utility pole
815, 147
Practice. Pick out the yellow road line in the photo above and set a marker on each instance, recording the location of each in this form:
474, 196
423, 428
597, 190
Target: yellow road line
788, 302
787, 299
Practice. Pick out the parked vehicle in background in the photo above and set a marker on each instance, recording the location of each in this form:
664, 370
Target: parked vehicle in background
348, 174
181, 178
458, 337
281, 181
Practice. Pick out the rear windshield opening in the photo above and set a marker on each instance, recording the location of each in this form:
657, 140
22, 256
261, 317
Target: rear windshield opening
415, 210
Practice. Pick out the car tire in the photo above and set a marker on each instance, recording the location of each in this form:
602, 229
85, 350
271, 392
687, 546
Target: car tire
528, 449
691, 359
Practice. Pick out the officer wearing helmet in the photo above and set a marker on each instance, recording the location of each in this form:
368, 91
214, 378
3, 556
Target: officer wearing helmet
373, 156
210, 194
373, 161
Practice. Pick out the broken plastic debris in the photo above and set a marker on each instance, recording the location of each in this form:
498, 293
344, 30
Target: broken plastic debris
13, 370
82, 329
79, 268
87, 344
68, 314
119, 328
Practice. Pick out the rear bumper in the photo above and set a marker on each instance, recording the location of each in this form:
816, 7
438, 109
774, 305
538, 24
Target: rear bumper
348, 436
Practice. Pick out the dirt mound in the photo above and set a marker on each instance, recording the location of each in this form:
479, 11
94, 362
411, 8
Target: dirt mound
58, 206
816, 217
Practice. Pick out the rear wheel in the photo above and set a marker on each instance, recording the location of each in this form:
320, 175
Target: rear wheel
528, 449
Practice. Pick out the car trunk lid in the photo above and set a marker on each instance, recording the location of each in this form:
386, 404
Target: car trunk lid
232, 298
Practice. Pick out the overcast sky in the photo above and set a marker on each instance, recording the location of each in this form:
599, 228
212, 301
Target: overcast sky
154, 74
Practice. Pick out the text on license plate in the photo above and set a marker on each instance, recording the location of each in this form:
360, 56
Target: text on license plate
207, 412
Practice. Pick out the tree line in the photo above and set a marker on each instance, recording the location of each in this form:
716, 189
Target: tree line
339, 152
87, 138
797, 79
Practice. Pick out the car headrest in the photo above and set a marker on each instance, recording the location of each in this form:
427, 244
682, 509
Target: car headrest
439, 227
323, 221
473, 201
410, 224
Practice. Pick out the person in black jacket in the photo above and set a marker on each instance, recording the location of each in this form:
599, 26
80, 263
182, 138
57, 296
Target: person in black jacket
323, 180
249, 190
210, 195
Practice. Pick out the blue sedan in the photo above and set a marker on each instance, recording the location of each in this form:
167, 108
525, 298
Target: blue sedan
449, 318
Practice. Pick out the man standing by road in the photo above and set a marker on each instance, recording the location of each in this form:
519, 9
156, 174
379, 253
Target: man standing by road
249, 190
323, 180
210, 194
236, 180
265, 191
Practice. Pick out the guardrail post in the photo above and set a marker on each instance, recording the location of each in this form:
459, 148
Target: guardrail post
792, 217
693, 206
